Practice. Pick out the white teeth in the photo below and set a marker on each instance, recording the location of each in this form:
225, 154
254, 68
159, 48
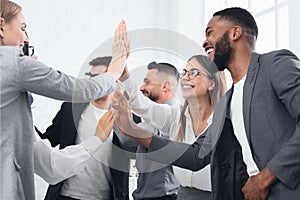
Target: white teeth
209, 51
187, 87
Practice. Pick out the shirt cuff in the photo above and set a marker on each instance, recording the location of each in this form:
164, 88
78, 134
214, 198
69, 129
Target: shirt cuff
92, 144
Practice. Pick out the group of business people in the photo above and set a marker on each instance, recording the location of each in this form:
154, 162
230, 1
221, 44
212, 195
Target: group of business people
253, 140
242, 144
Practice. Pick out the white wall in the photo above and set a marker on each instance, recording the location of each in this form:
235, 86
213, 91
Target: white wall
65, 32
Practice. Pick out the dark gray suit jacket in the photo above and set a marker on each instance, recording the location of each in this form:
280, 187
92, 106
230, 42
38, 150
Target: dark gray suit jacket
271, 110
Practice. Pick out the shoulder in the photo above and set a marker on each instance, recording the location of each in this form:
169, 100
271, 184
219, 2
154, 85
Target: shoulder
280, 54
11, 51
10, 54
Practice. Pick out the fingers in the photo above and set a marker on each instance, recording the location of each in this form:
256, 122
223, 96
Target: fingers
119, 101
121, 35
105, 125
121, 32
106, 118
114, 113
125, 38
117, 34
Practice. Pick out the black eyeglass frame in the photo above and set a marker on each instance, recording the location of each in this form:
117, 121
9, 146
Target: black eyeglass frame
193, 76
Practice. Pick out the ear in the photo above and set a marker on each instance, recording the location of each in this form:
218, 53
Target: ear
166, 85
2, 22
211, 85
237, 32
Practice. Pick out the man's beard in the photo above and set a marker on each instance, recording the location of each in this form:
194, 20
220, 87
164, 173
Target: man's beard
223, 52
151, 96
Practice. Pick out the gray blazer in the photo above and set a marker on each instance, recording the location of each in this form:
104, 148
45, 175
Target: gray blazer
271, 109
20, 74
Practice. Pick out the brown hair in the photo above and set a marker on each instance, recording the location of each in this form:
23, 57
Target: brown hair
8, 11
215, 94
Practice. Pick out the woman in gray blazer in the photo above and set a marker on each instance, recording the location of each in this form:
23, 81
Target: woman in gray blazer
20, 74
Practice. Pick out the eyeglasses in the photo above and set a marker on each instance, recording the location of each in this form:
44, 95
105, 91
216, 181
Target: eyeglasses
192, 73
89, 74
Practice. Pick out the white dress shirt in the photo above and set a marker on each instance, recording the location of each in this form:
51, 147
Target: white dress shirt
55, 165
200, 179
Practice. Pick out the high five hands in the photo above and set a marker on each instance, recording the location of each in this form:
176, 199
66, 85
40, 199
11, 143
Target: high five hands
120, 51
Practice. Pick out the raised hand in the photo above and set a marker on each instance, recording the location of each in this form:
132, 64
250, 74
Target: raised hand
105, 125
125, 123
123, 115
119, 51
124, 34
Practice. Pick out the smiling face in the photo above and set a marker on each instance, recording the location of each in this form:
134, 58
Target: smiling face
217, 43
199, 86
152, 86
13, 32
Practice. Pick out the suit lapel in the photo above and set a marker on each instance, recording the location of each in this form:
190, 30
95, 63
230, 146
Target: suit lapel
248, 91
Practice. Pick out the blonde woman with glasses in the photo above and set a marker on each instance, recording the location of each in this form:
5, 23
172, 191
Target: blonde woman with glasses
201, 90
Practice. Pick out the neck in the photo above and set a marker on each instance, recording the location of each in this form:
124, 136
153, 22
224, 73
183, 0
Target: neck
200, 109
238, 67
165, 97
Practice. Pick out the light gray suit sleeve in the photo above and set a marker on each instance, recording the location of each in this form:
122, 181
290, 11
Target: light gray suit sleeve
33, 76
285, 79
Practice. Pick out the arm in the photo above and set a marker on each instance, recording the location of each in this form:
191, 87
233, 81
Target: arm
36, 77
161, 149
285, 165
160, 116
124, 139
55, 165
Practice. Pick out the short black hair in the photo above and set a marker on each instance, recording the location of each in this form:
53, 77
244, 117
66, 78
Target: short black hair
241, 17
164, 67
105, 60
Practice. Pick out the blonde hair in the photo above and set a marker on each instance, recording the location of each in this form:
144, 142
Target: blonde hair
8, 11
215, 94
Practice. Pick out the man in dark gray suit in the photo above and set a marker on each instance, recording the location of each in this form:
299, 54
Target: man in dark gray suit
253, 144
